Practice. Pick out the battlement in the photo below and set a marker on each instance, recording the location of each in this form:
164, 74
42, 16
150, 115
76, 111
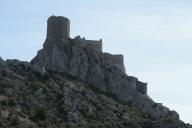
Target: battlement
95, 45
58, 28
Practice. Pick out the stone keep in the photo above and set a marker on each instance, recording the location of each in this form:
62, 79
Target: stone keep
58, 28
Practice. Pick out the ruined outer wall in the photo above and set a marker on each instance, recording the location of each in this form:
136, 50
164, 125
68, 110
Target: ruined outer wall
112, 61
141, 87
94, 45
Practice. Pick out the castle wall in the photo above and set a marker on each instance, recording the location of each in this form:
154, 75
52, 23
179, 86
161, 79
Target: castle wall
141, 87
116, 61
96, 45
89, 45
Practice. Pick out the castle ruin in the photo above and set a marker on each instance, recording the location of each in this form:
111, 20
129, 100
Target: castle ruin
85, 60
58, 30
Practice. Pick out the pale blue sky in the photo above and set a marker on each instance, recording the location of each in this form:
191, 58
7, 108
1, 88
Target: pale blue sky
155, 37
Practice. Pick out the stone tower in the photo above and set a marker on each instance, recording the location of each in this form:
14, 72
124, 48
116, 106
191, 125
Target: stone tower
58, 28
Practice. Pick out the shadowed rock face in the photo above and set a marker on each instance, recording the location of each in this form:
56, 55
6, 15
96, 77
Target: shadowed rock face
85, 60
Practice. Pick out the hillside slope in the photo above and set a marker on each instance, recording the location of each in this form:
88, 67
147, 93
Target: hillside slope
29, 99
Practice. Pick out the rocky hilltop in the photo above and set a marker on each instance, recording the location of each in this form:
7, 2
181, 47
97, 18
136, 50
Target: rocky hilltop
73, 83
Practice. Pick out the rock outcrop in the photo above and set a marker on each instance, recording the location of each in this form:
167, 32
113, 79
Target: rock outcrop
2, 64
30, 99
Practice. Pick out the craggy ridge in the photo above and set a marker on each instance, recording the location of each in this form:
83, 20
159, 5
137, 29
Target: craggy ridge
72, 83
